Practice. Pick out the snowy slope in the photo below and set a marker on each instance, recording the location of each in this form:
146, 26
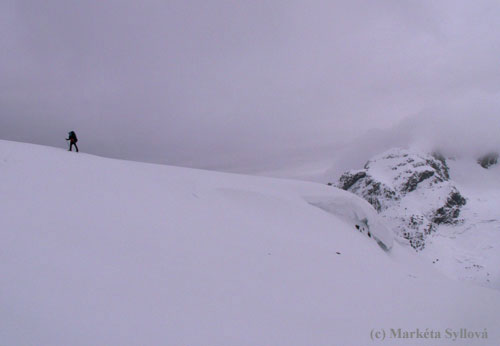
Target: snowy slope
106, 252
470, 250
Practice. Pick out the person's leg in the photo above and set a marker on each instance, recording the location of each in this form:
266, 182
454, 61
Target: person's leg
71, 146
76, 147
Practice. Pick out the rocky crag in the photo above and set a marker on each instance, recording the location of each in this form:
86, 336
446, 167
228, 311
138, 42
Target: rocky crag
411, 190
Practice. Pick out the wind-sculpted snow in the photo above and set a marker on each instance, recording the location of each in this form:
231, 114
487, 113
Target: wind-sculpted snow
95, 251
357, 212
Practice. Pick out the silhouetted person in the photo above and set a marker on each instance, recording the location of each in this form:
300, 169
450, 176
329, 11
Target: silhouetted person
72, 140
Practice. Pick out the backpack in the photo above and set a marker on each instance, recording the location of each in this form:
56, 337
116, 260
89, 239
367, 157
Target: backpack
72, 136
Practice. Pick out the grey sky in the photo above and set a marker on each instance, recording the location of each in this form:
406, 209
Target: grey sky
235, 84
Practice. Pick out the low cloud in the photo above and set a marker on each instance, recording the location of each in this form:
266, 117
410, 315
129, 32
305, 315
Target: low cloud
240, 85
468, 128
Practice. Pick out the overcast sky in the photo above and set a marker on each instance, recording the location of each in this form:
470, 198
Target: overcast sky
233, 84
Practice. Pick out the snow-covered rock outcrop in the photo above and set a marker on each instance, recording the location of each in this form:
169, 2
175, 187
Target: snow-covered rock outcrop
411, 190
446, 209
488, 160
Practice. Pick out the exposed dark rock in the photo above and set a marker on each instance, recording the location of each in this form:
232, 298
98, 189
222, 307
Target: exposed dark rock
488, 160
371, 190
391, 156
348, 179
449, 213
442, 167
417, 228
416, 240
374, 202
439, 164
415, 179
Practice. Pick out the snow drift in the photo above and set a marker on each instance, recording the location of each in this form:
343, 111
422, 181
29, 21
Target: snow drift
106, 252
